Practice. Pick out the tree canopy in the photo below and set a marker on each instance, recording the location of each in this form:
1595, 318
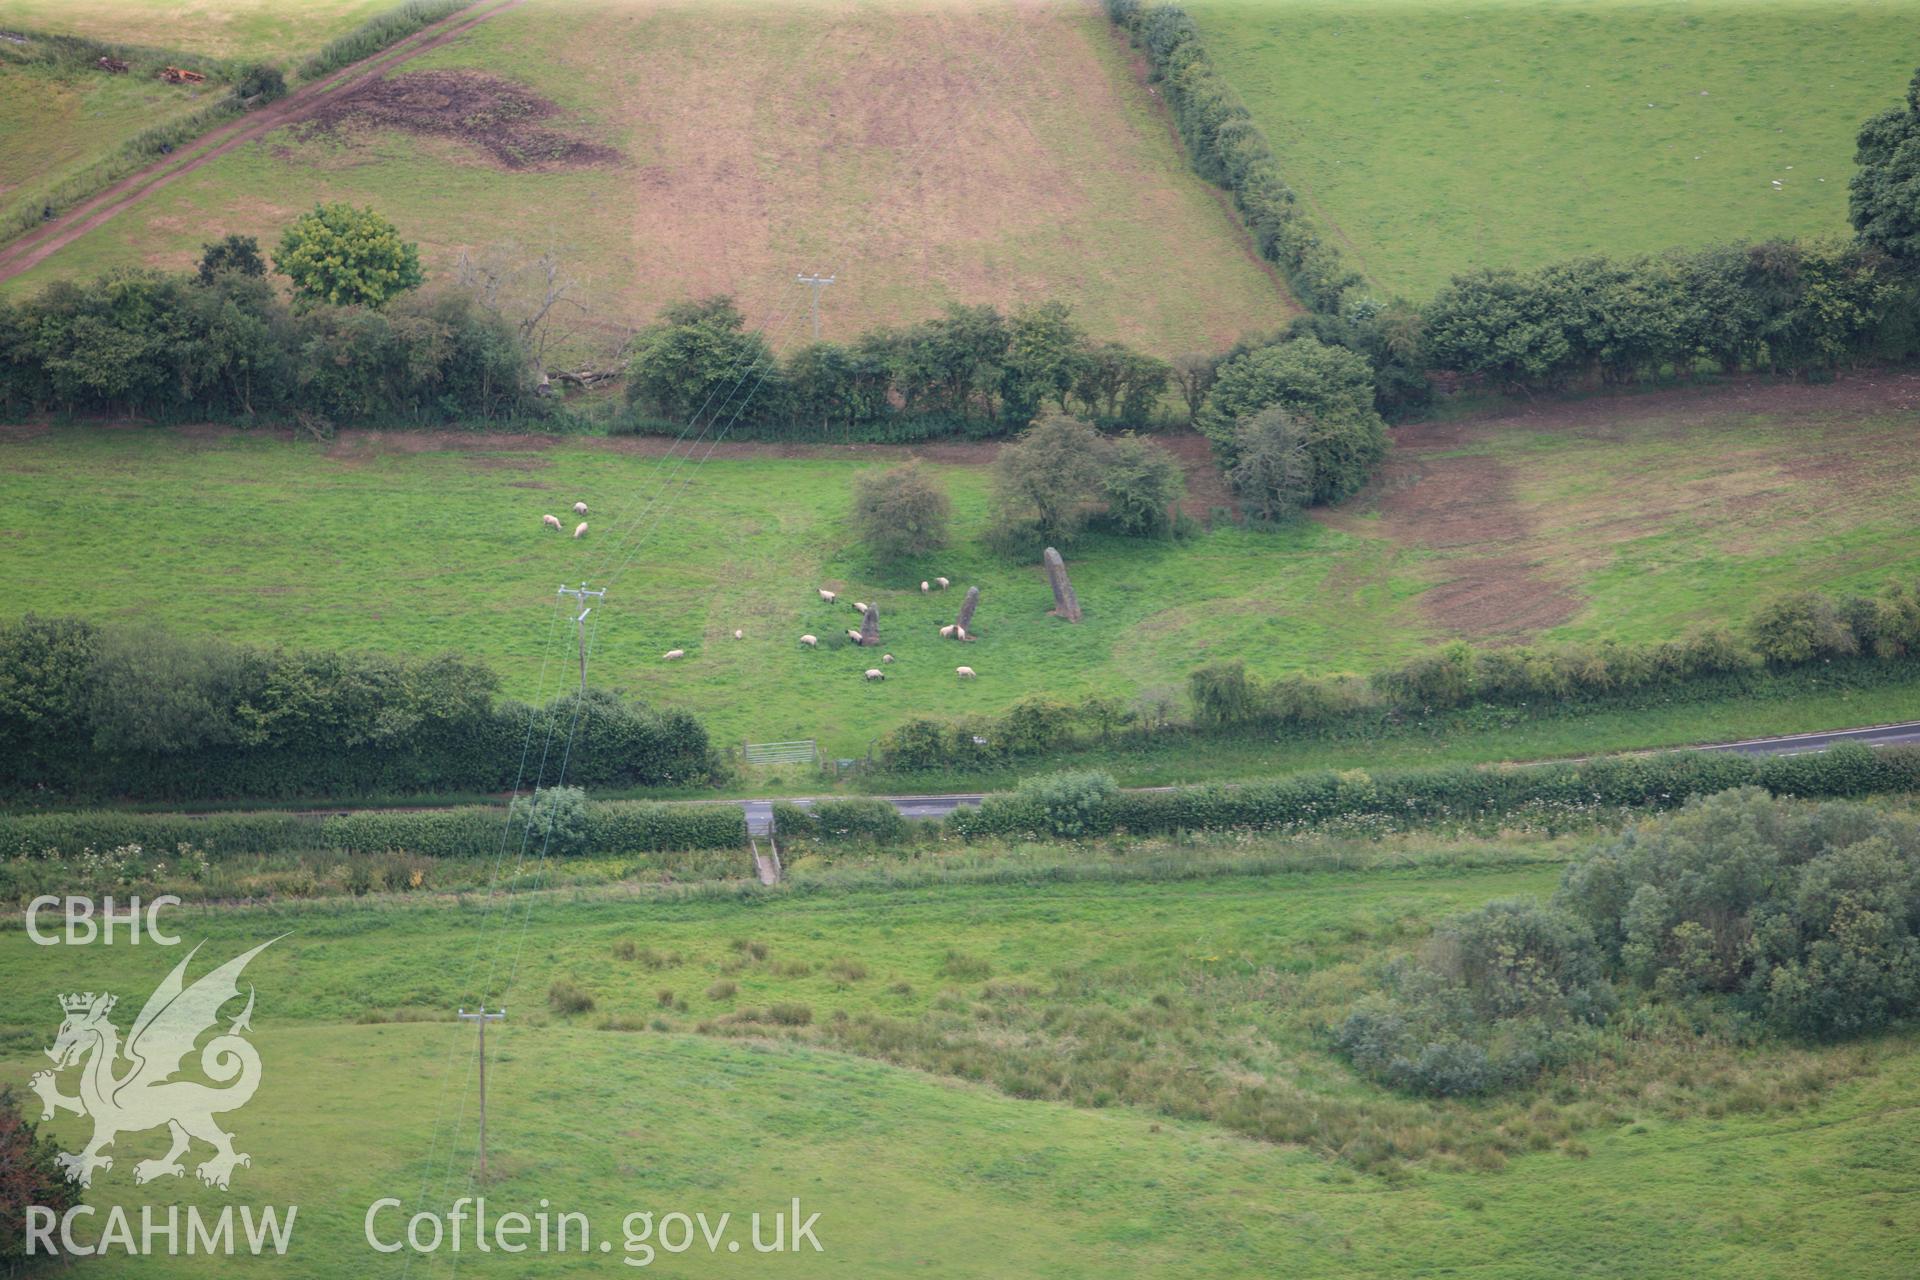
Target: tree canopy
343, 256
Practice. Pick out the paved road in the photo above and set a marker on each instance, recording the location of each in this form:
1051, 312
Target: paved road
760, 812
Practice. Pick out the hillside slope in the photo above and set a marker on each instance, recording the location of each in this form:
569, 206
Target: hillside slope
926, 154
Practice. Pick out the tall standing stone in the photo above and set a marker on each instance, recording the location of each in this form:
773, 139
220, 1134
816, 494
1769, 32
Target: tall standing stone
1065, 603
870, 626
967, 607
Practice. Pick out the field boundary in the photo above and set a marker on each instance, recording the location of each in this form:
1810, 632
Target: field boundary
30, 249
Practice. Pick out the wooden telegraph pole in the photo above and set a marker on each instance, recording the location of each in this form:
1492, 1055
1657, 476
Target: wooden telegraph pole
483, 1018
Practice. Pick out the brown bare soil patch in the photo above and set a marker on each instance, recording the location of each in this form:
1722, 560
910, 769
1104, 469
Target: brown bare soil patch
507, 121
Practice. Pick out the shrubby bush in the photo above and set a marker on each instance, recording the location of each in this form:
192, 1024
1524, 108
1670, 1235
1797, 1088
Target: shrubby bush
900, 513
1805, 920
1500, 994
858, 820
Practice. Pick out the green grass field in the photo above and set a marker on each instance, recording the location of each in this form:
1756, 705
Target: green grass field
56, 122
1437, 138
979, 153
1656, 1174
1648, 517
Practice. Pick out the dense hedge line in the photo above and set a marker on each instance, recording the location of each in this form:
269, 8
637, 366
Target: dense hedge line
851, 821
1838, 635
1774, 307
95, 713
1227, 148
230, 348
1456, 793
971, 371
476, 831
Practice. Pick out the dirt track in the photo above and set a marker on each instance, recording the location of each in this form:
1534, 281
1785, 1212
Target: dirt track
27, 251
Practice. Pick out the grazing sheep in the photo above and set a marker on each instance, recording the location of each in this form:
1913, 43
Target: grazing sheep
942, 583
674, 655
946, 632
580, 530
875, 673
810, 641
965, 673
853, 635
738, 634
859, 606
959, 633
579, 508
886, 657
828, 596
552, 522
926, 587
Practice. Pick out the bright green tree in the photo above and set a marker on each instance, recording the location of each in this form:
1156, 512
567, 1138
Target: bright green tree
346, 257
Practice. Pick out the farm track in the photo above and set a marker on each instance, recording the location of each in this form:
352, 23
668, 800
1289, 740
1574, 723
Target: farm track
50, 237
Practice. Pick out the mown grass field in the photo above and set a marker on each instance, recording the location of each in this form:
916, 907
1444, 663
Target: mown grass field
909, 1169
926, 153
1437, 138
1631, 519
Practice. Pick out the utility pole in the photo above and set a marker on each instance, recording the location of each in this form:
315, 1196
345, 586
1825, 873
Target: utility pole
818, 282
483, 1018
580, 594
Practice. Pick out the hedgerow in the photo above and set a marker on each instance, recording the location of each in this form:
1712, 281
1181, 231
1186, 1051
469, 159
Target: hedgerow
1788, 638
475, 831
1458, 793
107, 713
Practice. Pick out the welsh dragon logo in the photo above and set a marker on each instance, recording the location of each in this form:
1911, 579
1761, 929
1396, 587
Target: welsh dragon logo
145, 1094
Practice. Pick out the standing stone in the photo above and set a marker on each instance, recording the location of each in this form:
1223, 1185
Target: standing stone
967, 607
870, 626
1065, 603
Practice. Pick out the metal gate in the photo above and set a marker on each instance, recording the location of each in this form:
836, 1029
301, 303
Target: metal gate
803, 751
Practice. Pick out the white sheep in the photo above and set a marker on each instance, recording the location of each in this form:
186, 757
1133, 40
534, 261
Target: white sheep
551, 522
946, 632
875, 673
886, 657
828, 596
859, 606
674, 655
853, 635
738, 634
960, 633
810, 641
925, 587
965, 673
580, 530
942, 583
579, 508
